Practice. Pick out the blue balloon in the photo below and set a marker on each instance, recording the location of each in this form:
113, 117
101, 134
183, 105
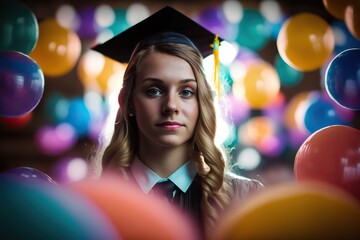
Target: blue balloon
78, 116
39, 210
21, 84
342, 79
321, 113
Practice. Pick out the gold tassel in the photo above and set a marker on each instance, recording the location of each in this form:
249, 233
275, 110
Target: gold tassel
217, 82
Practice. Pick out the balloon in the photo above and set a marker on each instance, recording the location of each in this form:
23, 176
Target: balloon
21, 84
135, 214
19, 28
57, 49
253, 30
331, 155
320, 113
342, 79
288, 76
39, 210
29, 174
120, 23
336, 8
293, 211
260, 85
305, 41
352, 19
55, 140
213, 18
343, 38
88, 28
17, 122
78, 116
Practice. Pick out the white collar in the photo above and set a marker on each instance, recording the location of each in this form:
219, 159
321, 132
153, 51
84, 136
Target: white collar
147, 178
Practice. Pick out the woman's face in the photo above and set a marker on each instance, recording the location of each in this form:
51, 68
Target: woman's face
165, 101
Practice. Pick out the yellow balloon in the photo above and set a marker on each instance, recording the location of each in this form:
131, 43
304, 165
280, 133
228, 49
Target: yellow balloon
293, 211
97, 71
260, 84
305, 41
57, 50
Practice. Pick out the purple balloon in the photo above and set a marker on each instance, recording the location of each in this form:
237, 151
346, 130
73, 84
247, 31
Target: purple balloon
21, 84
28, 173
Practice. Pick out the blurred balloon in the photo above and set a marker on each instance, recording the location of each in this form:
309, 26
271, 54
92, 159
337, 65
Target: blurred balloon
55, 140
305, 41
99, 72
19, 28
56, 107
88, 29
253, 30
288, 76
342, 79
29, 174
129, 208
78, 116
39, 210
17, 122
293, 211
120, 23
336, 8
352, 19
21, 84
343, 38
213, 18
259, 86
69, 169
321, 113
57, 50
331, 155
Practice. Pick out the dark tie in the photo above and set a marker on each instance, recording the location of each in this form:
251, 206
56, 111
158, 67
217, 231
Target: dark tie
166, 189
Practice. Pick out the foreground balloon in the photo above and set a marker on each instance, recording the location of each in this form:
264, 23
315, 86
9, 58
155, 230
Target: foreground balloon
331, 155
29, 174
19, 28
22, 84
39, 210
134, 214
342, 79
294, 211
305, 41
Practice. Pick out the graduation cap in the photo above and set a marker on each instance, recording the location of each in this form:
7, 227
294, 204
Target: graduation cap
165, 26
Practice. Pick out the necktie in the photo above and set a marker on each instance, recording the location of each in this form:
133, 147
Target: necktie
166, 189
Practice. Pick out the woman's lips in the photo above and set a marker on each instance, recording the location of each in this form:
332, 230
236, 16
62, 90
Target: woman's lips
170, 125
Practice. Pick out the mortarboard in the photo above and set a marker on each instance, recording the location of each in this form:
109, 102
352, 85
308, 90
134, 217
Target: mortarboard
166, 25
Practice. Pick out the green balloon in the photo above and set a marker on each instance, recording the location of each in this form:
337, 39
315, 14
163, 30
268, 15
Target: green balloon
19, 29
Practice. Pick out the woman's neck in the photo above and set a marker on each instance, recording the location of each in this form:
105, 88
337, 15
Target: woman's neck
163, 160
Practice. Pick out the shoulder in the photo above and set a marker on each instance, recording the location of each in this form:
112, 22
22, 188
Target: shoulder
243, 186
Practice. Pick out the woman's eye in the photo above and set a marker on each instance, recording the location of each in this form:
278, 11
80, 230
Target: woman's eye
153, 92
186, 93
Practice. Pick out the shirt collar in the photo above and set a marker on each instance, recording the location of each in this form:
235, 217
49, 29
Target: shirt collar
147, 178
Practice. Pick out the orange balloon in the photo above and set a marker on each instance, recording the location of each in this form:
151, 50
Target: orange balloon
331, 155
295, 111
57, 50
260, 85
336, 7
352, 19
305, 41
293, 211
134, 214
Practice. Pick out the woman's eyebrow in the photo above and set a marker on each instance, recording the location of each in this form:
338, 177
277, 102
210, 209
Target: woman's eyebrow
183, 81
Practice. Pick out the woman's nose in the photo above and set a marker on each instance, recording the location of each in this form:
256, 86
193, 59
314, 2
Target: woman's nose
170, 105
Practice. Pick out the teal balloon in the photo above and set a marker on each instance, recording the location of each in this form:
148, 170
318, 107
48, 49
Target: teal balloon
42, 210
19, 29
289, 76
120, 23
253, 30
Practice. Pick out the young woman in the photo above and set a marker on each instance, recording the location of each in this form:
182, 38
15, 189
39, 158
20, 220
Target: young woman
165, 130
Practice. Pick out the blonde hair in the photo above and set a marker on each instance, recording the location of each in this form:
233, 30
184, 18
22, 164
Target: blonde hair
209, 158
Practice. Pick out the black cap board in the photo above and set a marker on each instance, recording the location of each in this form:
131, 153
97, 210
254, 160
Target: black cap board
165, 25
